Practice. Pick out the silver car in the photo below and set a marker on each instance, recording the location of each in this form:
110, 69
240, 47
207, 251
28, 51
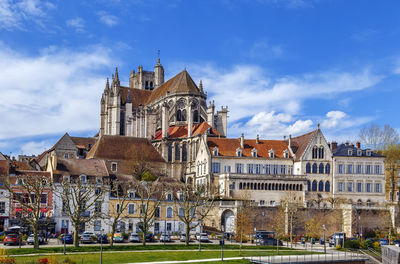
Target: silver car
31, 240
165, 238
134, 238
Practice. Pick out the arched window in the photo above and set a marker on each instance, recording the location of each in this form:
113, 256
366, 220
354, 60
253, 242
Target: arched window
321, 153
262, 186
184, 152
301, 187
169, 212
359, 203
314, 168
314, 186
321, 168
179, 115
328, 168
327, 186
240, 185
369, 203
314, 152
184, 115
309, 186
169, 152
321, 186
269, 186
195, 116
308, 168
177, 152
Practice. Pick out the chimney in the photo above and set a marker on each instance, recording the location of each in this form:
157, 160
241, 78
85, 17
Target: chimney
347, 143
358, 144
257, 139
242, 141
290, 141
334, 145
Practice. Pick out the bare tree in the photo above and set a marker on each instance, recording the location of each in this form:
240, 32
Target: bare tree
243, 221
150, 194
378, 138
291, 204
392, 164
29, 189
121, 191
192, 205
79, 197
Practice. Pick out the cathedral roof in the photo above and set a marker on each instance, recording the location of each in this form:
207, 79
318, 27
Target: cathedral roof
228, 146
123, 148
182, 131
180, 83
138, 96
300, 143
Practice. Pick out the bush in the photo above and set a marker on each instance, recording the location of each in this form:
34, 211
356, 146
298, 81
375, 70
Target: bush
2, 238
352, 244
24, 237
367, 244
376, 245
338, 247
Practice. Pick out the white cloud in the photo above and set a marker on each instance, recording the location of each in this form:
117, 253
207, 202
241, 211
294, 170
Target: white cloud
338, 120
264, 50
54, 92
107, 19
13, 14
77, 23
249, 89
35, 148
275, 125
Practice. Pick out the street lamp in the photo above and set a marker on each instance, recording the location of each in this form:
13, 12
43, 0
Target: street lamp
101, 246
323, 228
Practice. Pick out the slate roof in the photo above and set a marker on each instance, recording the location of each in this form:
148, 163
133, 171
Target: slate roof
121, 148
343, 150
92, 167
182, 131
300, 143
138, 96
227, 147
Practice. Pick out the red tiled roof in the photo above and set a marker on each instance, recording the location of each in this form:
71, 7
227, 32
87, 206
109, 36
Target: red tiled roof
300, 143
227, 147
21, 165
4, 167
182, 131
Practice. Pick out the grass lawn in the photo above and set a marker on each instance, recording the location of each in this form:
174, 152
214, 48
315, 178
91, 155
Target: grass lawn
129, 257
119, 247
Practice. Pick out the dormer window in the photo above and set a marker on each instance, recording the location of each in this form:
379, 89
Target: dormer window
359, 152
286, 154
238, 152
368, 152
114, 166
169, 197
83, 179
350, 152
215, 151
271, 153
254, 153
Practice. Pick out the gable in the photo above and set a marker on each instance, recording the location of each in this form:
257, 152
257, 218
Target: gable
317, 140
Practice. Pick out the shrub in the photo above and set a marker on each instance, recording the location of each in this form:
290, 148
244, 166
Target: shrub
352, 244
367, 244
376, 245
338, 247
2, 238
24, 237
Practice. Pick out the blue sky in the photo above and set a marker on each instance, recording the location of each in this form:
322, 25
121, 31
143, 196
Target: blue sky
282, 66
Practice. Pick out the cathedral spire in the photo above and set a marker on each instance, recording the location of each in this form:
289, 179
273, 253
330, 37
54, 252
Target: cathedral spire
201, 86
107, 88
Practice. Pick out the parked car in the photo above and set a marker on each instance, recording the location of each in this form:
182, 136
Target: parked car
102, 238
134, 238
86, 239
149, 238
69, 239
183, 237
31, 239
268, 241
383, 242
165, 238
12, 239
118, 238
202, 237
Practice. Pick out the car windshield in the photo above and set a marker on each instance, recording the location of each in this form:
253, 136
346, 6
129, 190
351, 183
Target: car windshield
12, 235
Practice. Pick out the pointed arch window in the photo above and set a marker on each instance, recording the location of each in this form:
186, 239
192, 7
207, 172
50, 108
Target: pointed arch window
314, 186
308, 168
179, 115
183, 115
195, 116
309, 186
321, 168
177, 152
327, 186
184, 152
328, 168
321, 152
314, 152
321, 186
314, 168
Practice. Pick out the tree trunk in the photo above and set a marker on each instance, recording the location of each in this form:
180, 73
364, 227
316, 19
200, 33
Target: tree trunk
144, 233
241, 241
187, 235
76, 234
35, 235
112, 234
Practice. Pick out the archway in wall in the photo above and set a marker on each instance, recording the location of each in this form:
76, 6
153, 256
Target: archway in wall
228, 221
